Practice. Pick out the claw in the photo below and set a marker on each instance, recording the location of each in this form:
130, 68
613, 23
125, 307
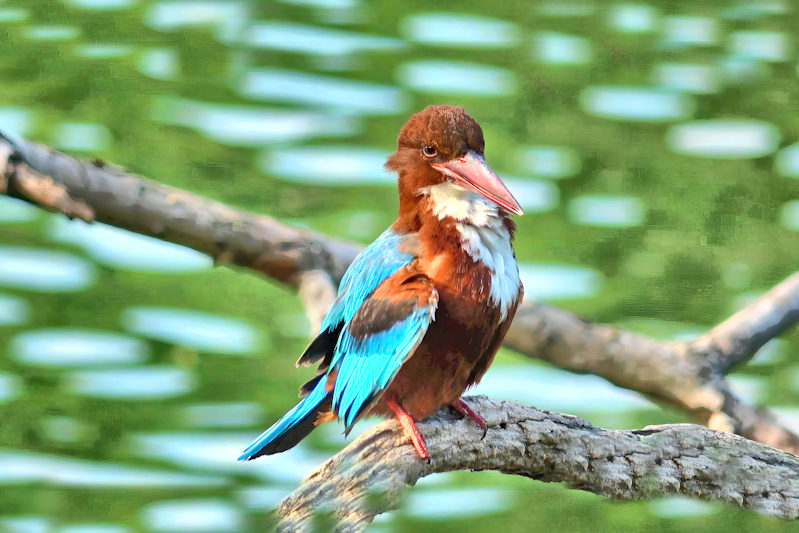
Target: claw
464, 409
410, 429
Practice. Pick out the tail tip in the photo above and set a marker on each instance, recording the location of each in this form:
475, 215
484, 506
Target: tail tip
246, 455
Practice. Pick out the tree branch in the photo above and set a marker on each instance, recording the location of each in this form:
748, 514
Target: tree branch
123, 199
689, 375
628, 465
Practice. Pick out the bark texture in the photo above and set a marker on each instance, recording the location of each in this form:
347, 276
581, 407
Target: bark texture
656, 461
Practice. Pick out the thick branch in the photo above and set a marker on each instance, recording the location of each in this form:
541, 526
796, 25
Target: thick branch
117, 197
631, 465
688, 375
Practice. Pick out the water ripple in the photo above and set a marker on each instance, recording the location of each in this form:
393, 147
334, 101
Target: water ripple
202, 331
70, 347
457, 30
336, 94
724, 138
43, 270
316, 40
456, 77
23, 467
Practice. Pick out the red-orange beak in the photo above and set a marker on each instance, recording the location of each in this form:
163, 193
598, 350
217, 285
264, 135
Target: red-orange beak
471, 171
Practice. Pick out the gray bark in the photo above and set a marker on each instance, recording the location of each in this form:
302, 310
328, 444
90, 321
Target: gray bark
656, 461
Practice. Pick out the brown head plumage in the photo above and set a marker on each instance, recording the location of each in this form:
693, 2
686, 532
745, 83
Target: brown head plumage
443, 143
437, 133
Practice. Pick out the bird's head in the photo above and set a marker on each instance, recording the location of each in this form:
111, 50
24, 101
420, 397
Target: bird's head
444, 143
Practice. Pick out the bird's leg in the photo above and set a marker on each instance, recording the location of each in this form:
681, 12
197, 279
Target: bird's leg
464, 409
409, 428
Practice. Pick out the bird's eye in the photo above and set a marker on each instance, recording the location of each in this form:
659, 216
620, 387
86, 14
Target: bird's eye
429, 151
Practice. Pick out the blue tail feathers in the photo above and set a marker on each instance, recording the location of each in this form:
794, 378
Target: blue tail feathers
292, 427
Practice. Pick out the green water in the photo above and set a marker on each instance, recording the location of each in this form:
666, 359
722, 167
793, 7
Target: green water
653, 146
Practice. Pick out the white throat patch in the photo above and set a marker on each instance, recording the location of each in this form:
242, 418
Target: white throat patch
483, 236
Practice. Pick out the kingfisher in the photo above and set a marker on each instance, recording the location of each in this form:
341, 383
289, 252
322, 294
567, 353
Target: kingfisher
422, 311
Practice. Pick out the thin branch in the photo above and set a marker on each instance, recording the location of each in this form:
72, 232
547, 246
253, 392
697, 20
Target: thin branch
628, 465
736, 340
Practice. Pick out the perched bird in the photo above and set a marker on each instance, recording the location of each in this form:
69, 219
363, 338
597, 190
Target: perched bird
421, 311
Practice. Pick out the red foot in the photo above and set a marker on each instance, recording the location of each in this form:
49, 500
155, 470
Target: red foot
464, 409
410, 429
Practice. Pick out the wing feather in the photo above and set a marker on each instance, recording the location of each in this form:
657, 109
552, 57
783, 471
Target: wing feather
380, 316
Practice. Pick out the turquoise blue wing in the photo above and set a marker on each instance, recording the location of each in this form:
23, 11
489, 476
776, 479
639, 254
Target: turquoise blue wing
382, 334
372, 267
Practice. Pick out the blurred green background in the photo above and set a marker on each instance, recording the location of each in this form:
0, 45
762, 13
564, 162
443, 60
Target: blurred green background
653, 146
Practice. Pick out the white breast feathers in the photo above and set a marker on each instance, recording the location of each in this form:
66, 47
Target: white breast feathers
484, 237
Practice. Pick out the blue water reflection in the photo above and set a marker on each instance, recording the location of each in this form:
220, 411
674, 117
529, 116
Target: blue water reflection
81, 137
202, 331
192, 516
225, 17
752, 389
633, 18
252, 126
787, 161
336, 94
683, 31
645, 104
607, 211
558, 390
14, 120
750, 10
554, 48
535, 196
23, 467
724, 138
13, 310
26, 524
131, 384
66, 429
328, 165
681, 507
43, 270
460, 31
160, 63
124, 249
689, 77
789, 215
104, 51
546, 282
552, 162
773, 352
456, 77
446, 504
314, 39
68, 347
217, 452
768, 46
11, 387
259, 498
740, 70
14, 211
13, 14
221, 415
54, 32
